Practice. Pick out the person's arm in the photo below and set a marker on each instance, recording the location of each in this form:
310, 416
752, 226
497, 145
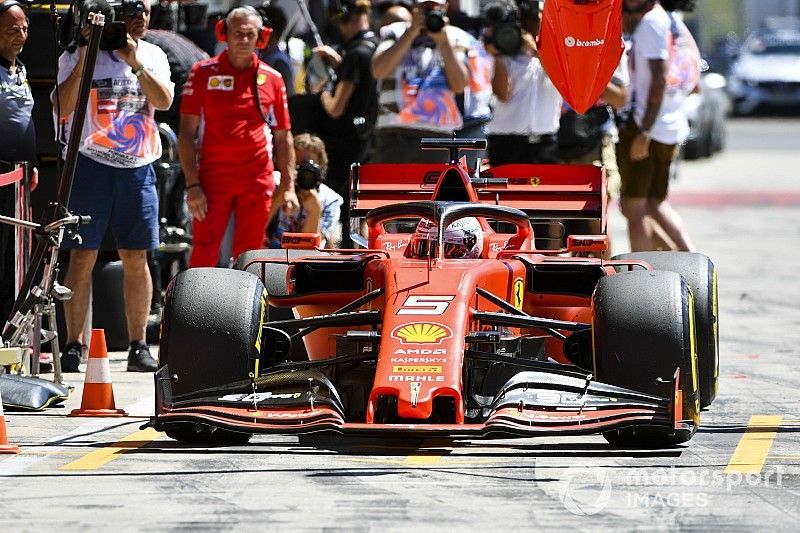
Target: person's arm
156, 91
68, 89
285, 163
335, 104
640, 146
385, 61
187, 152
615, 95
313, 211
501, 81
454, 69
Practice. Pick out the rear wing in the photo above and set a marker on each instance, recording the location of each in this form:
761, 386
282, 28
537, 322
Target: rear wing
543, 192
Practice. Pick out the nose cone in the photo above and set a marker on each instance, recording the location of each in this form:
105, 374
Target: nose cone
580, 47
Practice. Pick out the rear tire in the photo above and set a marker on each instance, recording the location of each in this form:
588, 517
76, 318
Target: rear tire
642, 333
273, 275
701, 274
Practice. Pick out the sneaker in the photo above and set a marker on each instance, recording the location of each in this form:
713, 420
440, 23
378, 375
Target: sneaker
139, 358
71, 357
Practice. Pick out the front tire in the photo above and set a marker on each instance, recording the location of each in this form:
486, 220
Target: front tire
642, 329
210, 330
701, 274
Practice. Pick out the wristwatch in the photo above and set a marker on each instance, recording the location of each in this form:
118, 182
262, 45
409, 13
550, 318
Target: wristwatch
138, 71
646, 133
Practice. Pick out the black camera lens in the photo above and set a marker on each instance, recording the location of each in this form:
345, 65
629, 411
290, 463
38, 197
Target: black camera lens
507, 38
434, 20
114, 36
309, 175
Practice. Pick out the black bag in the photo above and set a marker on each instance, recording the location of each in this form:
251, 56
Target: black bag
580, 134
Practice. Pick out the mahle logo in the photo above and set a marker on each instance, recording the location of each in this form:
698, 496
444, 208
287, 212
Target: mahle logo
421, 333
573, 42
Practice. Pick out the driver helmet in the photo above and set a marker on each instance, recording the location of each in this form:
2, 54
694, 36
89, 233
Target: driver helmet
463, 239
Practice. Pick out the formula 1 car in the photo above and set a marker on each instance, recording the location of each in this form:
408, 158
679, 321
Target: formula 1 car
412, 336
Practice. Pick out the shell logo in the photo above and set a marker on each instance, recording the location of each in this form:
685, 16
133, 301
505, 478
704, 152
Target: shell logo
421, 333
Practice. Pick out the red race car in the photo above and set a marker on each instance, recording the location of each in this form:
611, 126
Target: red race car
448, 322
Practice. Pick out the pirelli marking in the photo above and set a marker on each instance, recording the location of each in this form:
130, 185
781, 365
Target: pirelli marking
417, 369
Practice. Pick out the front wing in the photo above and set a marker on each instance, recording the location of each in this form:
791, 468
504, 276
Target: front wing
533, 403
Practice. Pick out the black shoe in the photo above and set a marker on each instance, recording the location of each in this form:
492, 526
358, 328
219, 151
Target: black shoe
71, 357
140, 360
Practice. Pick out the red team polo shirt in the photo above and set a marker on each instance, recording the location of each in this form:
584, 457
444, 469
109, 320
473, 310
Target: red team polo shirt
235, 141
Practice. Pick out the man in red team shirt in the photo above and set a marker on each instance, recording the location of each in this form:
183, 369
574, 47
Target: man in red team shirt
236, 108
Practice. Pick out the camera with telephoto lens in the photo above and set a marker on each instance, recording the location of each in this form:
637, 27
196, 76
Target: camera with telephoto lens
434, 20
309, 175
114, 36
503, 28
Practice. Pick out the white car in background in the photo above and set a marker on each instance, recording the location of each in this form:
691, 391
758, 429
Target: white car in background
767, 71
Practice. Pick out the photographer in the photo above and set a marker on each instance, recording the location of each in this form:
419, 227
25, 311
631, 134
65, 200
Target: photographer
351, 106
433, 82
114, 180
526, 116
319, 204
523, 128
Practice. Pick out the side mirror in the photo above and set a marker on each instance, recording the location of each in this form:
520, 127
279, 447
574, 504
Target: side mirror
587, 243
301, 241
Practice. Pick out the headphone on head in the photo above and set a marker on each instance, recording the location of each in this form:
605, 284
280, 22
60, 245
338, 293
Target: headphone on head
221, 29
340, 9
5, 5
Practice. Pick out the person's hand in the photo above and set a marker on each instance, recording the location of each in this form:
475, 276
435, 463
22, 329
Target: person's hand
197, 203
128, 54
34, 179
491, 49
640, 147
417, 23
328, 54
529, 44
290, 202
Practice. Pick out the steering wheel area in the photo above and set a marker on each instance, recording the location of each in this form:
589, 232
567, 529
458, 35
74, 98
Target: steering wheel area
445, 213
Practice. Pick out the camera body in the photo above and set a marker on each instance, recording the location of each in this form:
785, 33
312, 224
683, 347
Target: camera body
309, 175
114, 35
434, 20
505, 27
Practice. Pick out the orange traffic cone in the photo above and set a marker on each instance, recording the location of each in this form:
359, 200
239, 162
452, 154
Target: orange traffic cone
5, 447
98, 394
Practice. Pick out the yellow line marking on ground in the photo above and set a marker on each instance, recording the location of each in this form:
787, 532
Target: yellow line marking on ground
429, 453
422, 459
753, 448
96, 459
784, 457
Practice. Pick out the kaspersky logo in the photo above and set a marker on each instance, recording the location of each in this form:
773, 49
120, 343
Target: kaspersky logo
422, 333
573, 42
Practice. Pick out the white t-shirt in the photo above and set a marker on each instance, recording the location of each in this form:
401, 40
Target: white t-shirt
416, 96
654, 39
534, 107
119, 130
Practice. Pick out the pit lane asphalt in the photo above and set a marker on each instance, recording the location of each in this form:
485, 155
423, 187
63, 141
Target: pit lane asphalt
740, 472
